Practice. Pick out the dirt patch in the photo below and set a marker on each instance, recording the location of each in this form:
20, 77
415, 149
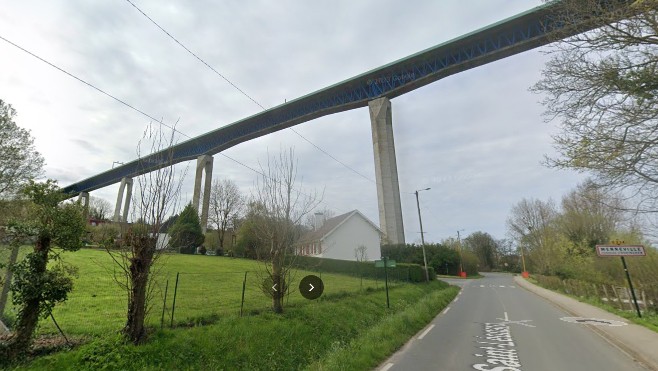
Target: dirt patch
48, 344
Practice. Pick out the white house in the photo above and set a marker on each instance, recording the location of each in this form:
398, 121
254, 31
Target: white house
340, 237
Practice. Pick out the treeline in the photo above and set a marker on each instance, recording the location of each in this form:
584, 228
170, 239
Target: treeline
561, 240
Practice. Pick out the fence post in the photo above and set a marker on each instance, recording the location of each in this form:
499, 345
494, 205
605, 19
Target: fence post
605, 292
164, 304
173, 305
644, 300
621, 303
244, 285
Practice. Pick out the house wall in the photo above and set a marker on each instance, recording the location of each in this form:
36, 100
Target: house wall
354, 232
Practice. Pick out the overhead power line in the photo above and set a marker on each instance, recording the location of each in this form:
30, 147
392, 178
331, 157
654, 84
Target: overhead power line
240, 90
137, 110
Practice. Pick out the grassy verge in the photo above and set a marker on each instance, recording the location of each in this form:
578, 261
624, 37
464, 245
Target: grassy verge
648, 320
374, 345
315, 335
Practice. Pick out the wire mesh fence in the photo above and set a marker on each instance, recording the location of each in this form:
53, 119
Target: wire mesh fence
98, 303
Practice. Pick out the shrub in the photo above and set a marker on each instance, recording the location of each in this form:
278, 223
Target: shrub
202, 250
186, 233
402, 271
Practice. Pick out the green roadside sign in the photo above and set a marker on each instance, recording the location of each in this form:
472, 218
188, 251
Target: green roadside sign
389, 263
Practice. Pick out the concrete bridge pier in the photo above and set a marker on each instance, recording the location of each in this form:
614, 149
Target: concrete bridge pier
126, 182
203, 162
83, 199
386, 171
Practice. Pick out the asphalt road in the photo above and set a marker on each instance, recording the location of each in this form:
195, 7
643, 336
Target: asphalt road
495, 325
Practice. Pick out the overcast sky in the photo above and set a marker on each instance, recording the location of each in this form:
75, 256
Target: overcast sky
476, 138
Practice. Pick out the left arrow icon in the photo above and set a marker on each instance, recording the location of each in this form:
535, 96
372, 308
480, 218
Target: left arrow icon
274, 287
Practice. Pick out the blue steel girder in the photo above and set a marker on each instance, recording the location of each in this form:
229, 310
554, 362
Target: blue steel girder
514, 35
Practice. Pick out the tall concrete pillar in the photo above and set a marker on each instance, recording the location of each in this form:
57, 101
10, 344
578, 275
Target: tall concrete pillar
83, 199
386, 171
127, 185
203, 163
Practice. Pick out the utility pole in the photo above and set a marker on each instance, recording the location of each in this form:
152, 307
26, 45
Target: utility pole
422, 235
461, 264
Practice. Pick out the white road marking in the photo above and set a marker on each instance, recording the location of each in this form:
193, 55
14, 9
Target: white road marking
425, 332
446, 310
481, 285
454, 301
387, 367
501, 286
506, 318
594, 321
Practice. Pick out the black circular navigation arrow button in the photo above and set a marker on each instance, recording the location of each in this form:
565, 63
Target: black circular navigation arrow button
311, 287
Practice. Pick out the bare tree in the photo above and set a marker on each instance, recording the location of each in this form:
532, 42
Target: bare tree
99, 208
156, 197
602, 86
226, 205
532, 225
279, 226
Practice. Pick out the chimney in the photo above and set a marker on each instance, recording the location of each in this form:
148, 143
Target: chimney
319, 221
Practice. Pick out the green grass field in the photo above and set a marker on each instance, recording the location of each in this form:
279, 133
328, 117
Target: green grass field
208, 287
343, 332
349, 327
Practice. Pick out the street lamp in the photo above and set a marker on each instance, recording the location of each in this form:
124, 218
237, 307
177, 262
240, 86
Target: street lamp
422, 235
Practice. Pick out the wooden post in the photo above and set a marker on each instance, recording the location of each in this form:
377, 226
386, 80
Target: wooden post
644, 300
605, 292
621, 303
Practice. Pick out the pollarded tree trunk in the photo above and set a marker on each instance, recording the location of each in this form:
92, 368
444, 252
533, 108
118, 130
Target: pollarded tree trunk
140, 265
277, 295
28, 317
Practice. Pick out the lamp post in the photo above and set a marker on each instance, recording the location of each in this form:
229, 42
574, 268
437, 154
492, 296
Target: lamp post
422, 235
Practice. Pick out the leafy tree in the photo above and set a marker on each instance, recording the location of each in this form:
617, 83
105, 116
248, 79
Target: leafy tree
445, 261
19, 160
249, 244
589, 217
186, 233
38, 284
484, 247
602, 86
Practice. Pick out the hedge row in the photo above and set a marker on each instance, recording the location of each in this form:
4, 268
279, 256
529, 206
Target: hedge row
402, 271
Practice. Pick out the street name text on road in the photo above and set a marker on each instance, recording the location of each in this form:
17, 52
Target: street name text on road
627, 250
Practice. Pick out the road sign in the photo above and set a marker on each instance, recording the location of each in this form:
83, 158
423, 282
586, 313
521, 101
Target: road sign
623, 250
620, 250
389, 263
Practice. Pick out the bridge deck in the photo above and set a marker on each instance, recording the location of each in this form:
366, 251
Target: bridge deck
514, 35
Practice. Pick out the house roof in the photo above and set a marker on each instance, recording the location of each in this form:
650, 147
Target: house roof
330, 225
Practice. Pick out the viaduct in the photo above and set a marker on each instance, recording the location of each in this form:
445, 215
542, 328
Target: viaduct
375, 89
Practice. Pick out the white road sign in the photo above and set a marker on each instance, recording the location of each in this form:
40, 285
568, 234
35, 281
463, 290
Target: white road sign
624, 250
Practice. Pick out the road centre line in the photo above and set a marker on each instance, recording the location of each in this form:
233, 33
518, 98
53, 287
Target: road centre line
387, 367
425, 332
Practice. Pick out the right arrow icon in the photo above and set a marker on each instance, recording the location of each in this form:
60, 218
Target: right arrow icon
311, 287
